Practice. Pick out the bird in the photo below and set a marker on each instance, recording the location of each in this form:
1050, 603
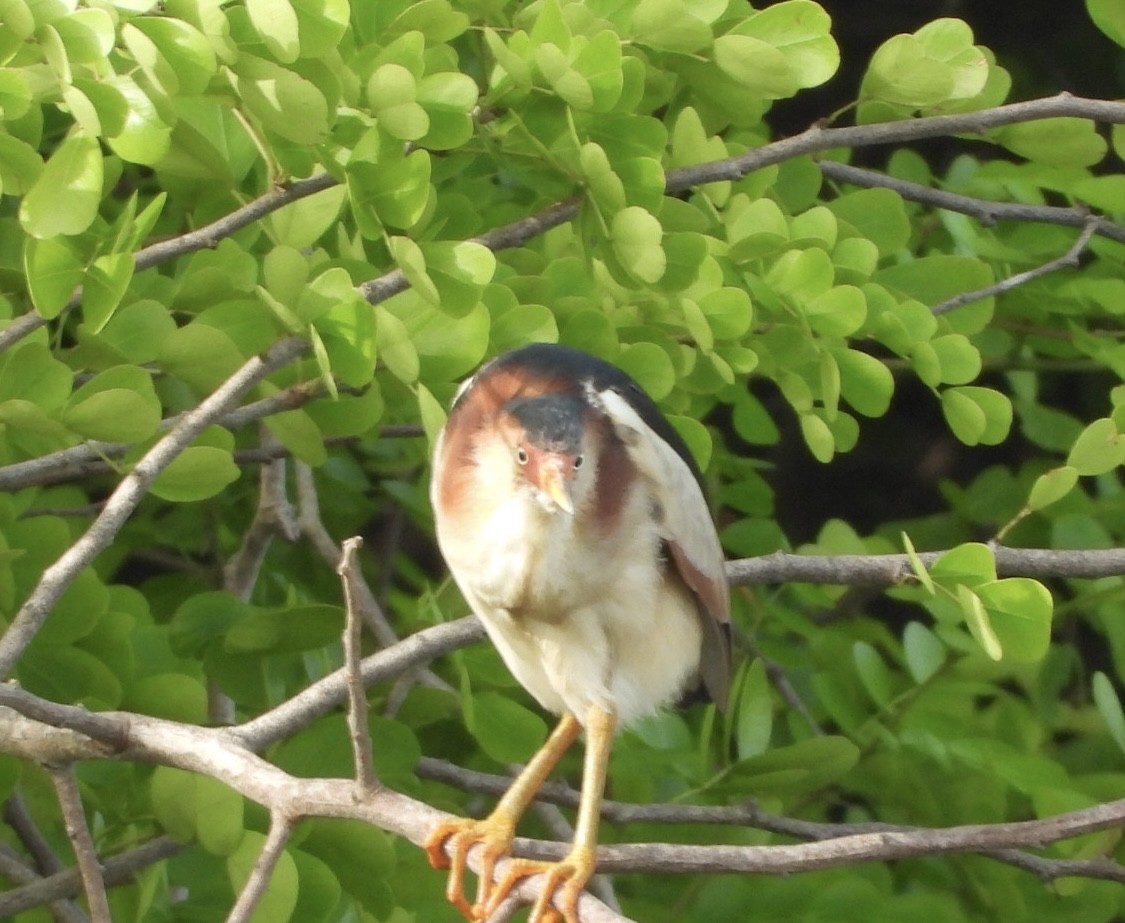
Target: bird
572, 517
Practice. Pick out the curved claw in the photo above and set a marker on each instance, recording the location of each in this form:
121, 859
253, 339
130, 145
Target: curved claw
564, 885
493, 835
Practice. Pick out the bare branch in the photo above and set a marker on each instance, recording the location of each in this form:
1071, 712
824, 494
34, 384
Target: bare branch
24, 876
281, 828
987, 212
129, 494
17, 816
74, 819
312, 528
328, 693
823, 139
211, 235
1070, 258
892, 569
116, 870
357, 695
750, 815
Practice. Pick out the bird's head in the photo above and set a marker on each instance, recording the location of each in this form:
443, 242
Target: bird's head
548, 439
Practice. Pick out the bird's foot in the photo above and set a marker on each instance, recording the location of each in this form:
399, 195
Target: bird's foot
558, 901
448, 847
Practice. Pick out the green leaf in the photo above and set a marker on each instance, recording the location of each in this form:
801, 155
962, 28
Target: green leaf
800, 30
755, 712
650, 366
197, 473
1100, 448
865, 382
818, 437
103, 288
197, 808
756, 65
636, 237
1109, 16
392, 93
203, 618
971, 563
873, 673
957, 357
1109, 706
977, 416
976, 617
301, 628
1052, 486
285, 102
505, 730
65, 197
20, 165
394, 346
114, 415
32, 373
838, 312
799, 767
1058, 142
916, 565
276, 22
877, 215
54, 272
1019, 611
925, 653
669, 25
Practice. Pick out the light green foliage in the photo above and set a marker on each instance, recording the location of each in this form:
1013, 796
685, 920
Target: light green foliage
777, 316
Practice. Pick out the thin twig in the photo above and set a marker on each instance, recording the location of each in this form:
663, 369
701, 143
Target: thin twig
893, 569
365, 776
19, 873
74, 819
328, 693
129, 493
1070, 258
18, 817
117, 869
281, 828
986, 211
312, 528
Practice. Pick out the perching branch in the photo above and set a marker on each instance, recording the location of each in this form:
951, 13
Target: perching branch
218, 753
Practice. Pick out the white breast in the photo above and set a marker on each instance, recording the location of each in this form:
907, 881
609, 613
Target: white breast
578, 619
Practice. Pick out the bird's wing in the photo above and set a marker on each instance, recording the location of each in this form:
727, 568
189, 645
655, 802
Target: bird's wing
687, 529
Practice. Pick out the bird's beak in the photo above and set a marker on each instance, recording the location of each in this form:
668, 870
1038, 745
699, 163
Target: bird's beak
554, 481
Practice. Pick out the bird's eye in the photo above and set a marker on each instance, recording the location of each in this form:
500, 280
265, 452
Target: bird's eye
578, 460
521, 455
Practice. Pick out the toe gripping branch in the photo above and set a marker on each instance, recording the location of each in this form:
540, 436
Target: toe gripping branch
449, 845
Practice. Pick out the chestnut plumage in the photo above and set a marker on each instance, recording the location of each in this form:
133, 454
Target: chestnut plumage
572, 517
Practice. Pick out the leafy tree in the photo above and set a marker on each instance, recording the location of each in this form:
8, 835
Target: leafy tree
248, 250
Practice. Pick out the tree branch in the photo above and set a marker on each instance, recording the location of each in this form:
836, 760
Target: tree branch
117, 869
281, 828
1070, 258
74, 819
365, 776
129, 494
986, 211
218, 753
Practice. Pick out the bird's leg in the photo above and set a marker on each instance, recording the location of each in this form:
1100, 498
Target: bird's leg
567, 878
494, 833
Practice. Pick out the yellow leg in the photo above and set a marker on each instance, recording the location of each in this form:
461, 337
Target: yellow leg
567, 878
494, 834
